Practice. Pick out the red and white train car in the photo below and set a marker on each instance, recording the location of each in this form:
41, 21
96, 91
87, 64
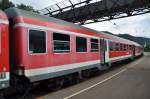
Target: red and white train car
43, 47
4, 51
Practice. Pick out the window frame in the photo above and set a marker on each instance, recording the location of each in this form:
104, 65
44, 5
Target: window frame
76, 44
121, 46
46, 34
52, 39
130, 47
117, 46
125, 47
112, 44
94, 43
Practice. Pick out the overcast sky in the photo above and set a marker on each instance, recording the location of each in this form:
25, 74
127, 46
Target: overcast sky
136, 25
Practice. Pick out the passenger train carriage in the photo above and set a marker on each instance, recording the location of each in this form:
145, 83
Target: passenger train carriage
42, 47
4, 51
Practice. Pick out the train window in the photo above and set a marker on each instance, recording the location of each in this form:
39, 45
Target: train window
111, 46
130, 47
94, 45
117, 46
127, 47
81, 44
124, 47
37, 41
121, 47
61, 43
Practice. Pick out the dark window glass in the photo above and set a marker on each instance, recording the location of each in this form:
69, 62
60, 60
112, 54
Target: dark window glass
117, 46
37, 41
121, 47
61, 43
128, 47
94, 45
131, 47
81, 44
125, 47
111, 46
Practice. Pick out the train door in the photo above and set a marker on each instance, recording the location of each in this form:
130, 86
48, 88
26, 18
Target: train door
134, 51
104, 54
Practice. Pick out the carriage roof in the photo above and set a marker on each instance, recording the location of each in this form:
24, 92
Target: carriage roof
14, 12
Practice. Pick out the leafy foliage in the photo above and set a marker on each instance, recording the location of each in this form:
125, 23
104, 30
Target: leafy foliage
25, 7
4, 4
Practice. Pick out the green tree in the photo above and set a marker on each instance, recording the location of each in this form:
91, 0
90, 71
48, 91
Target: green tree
4, 4
25, 7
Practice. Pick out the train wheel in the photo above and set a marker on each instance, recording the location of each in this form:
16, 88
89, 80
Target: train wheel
76, 78
1, 96
22, 85
54, 84
58, 85
86, 73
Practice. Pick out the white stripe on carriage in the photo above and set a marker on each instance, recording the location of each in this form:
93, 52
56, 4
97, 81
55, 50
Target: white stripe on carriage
53, 69
4, 21
53, 30
120, 57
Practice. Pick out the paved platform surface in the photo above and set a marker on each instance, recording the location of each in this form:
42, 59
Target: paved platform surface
132, 83
126, 81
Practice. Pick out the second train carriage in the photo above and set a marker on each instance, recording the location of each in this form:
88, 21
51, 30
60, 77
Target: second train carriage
43, 47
